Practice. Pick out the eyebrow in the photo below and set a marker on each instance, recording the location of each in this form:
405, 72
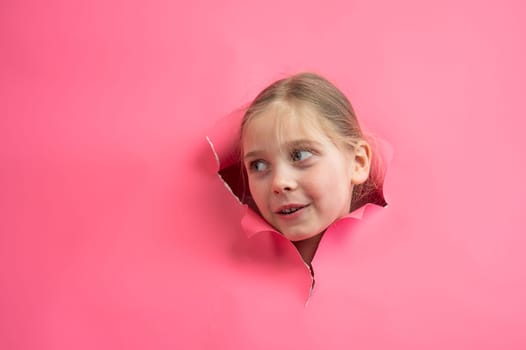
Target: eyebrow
290, 144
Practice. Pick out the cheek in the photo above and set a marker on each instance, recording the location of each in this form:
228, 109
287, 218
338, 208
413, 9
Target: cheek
329, 185
316, 180
258, 191
314, 189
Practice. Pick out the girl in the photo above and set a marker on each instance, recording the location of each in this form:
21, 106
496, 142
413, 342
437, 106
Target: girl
306, 159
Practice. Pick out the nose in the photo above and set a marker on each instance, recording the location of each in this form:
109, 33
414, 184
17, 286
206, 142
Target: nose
284, 180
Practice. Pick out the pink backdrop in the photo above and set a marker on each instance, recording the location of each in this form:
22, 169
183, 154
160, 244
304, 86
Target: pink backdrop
115, 231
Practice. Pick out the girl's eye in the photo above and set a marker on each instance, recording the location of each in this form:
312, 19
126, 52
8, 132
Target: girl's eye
299, 155
258, 166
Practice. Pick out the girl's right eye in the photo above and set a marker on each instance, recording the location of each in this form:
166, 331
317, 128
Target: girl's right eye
258, 166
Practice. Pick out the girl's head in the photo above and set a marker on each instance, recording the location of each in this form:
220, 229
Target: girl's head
305, 156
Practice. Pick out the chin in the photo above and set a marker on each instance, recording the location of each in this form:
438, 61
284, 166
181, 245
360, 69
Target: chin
299, 236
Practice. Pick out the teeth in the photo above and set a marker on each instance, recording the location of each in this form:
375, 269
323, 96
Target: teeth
289, 210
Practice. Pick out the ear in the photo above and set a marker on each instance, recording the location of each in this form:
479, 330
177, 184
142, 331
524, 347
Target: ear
361, 164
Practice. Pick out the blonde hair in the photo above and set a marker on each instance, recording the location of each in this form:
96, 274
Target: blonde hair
336, 117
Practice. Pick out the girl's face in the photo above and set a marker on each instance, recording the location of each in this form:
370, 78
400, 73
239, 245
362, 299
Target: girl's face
300, 181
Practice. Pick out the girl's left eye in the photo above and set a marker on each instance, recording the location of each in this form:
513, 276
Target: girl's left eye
299, 155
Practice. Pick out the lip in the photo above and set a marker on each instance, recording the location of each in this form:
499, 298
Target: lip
293, 215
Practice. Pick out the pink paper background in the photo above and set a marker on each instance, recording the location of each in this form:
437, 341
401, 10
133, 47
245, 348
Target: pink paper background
115, 231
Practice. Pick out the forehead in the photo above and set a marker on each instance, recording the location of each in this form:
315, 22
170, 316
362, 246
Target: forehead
282, 123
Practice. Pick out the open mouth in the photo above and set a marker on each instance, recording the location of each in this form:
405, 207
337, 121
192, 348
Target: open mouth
290, 209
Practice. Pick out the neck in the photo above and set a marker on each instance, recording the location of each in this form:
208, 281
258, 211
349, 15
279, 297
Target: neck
307, 247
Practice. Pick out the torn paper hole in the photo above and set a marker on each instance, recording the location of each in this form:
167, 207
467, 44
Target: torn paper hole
223, 139
227, 176
224, 143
